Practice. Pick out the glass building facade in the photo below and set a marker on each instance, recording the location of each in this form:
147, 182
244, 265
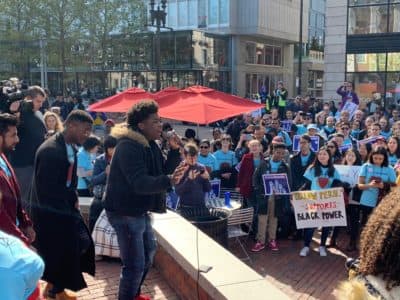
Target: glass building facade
373, 48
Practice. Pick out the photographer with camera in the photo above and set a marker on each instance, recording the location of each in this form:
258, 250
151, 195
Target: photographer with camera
31, 132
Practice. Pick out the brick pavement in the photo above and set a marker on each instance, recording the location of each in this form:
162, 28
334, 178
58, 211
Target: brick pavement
312, 277
105, 284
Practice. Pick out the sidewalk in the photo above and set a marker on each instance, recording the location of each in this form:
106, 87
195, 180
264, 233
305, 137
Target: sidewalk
105, 284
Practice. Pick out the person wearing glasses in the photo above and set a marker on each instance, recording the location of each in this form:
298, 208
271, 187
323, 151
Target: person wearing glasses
347, 138
302, 120
206, 158
276, 124
333, 148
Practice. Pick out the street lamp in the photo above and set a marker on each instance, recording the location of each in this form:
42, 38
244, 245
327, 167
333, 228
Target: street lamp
300, 49
158, 20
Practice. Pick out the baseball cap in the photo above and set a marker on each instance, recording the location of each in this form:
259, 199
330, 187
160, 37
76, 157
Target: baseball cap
312, 126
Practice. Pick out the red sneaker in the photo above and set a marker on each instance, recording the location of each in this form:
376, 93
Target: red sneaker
258, 247
142, 297
273, 245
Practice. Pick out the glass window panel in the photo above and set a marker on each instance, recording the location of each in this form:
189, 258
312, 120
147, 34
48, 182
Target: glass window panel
393, 86
202, 18
250, 53
269, 55
366, 2
394, 19
182, 13
223, 11
367, 62
193, 14
366, 20
394, 62
172, 15
212, 12
260, 54
278, 56
350, 63
183, 50
366, 84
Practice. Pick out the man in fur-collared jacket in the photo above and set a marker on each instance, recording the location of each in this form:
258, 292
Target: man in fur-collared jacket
136, 187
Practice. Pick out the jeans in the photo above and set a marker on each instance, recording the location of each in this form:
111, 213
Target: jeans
309, 232
137, 245
94, 212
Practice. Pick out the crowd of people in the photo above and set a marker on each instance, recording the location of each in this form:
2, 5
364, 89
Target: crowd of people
49, 160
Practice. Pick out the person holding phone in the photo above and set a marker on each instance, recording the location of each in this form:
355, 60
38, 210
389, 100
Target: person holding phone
195, 181
375, 180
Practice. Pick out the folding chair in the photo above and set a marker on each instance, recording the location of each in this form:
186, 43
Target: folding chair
239, 217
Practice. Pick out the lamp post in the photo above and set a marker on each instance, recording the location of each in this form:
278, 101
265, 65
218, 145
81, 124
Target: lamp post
158, 20
300, 48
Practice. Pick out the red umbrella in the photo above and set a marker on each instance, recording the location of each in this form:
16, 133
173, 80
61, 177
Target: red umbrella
165, 92
202, 105
121, 102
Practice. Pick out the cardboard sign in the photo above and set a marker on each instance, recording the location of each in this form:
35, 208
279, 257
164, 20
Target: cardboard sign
348, 174
369, 140
350, 107
286, 125
324, 208
314, 143
276, 184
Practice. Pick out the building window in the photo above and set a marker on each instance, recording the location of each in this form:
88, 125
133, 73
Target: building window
368, 62
250, 53
373, 16
254, 83
263, 54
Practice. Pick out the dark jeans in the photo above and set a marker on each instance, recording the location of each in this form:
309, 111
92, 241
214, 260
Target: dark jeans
137, 245
94, 212
353, 214
309, 232
365, 212
24, 176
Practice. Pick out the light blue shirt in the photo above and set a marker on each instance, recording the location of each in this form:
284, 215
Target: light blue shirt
286, 138
393, 159
274, 165
301, 129
20, 268
85, 161
369, 197
208, 161
315, 181
304, 159
4, 166
228, 157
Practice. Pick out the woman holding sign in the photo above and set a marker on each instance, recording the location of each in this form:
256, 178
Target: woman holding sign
319, 176
375, 179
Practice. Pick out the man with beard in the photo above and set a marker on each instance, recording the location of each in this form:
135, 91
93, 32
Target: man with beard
63, 239
13, 219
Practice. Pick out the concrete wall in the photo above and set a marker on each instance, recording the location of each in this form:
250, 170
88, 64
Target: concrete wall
335, 47
279, 19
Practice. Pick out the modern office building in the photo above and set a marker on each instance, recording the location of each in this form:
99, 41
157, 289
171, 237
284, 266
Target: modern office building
254, 46
362, 45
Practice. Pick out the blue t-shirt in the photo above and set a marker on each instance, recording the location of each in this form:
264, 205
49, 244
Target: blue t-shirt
85, 161
304, 159
323, 181
301, 129
20, 268
274, 165
369, 197
208, 161
393, 159
256, 162
228, 157
386, 134
286, 138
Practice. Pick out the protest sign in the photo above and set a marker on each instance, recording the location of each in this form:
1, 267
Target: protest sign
348, 174
314, 143
286, 125
369, 140
276, 184
350, 107
324, 208
345, 147
215, 189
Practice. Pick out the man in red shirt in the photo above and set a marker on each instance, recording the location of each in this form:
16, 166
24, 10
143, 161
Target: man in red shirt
13, 218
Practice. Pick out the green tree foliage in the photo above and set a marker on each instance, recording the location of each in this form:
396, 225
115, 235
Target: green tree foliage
78, 34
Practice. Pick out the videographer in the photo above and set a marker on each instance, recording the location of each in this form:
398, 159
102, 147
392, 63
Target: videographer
31, 132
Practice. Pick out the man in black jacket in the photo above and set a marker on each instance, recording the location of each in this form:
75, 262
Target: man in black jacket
136, 187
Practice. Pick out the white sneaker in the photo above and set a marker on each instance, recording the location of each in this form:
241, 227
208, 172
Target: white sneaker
304, 252
322, 251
